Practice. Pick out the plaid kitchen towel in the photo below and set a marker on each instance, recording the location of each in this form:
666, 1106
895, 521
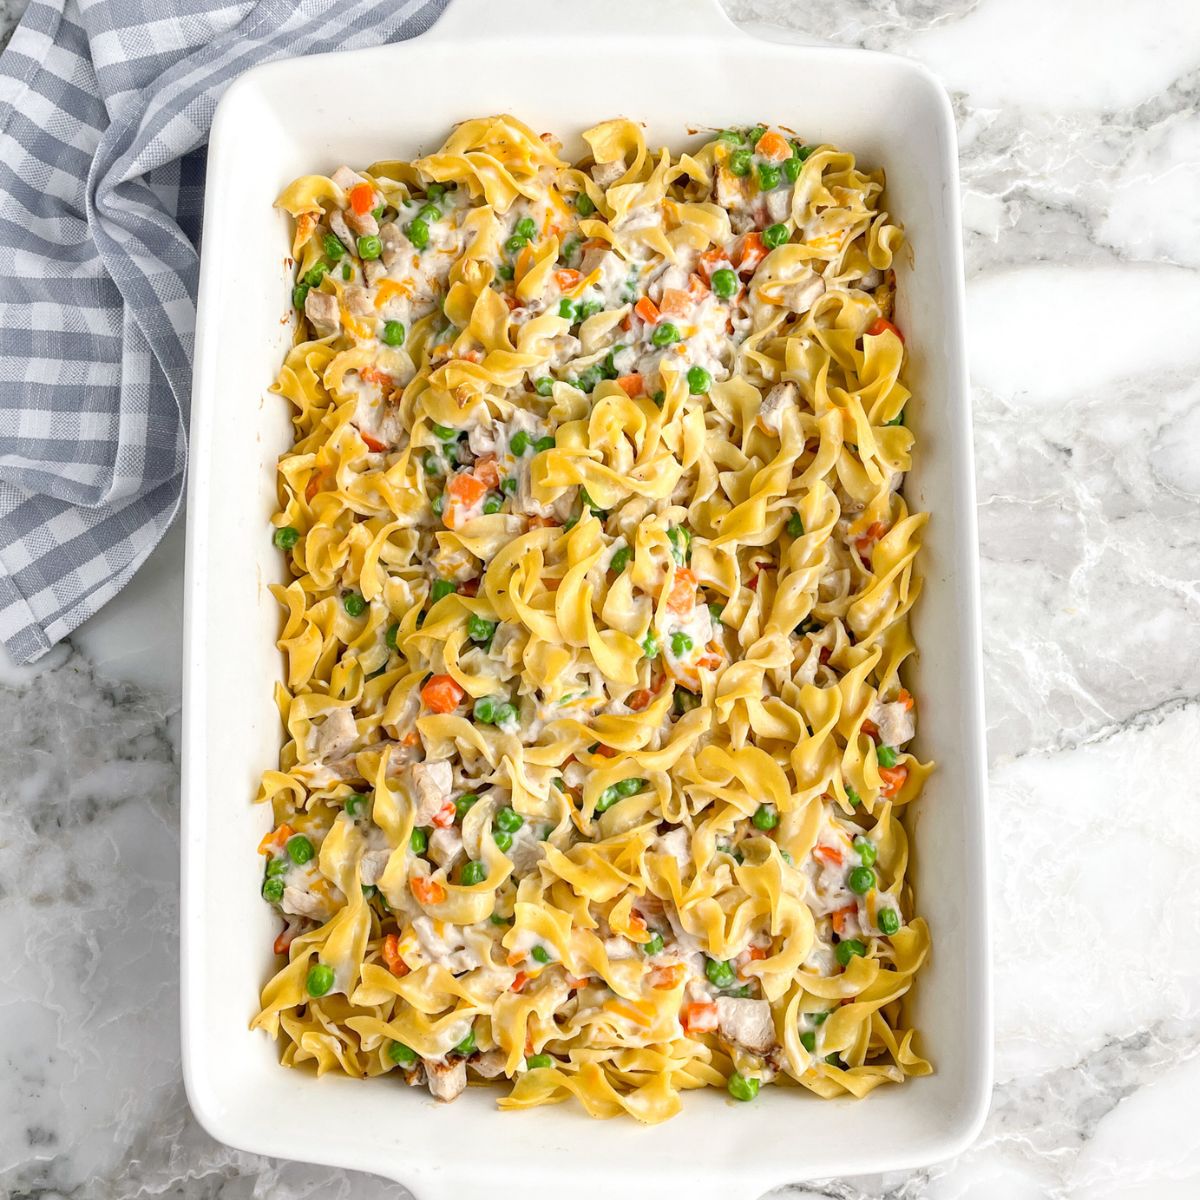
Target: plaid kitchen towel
105, 107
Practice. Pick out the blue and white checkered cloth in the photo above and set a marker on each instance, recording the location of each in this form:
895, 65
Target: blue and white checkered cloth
105, 107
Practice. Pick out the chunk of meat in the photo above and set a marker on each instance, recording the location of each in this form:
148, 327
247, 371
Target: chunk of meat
675, 844
364, 224
432, 782
606, 174
489, 1064
446, 1080
780, 398
345, 178
394, 243
746, 1022
894, 721
358, 301
373, 271
321, 309
373, 865
341, 230
804, 293
300, 903
335, 735
445, 846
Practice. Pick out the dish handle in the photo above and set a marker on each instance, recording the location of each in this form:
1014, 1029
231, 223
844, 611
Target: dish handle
489, 20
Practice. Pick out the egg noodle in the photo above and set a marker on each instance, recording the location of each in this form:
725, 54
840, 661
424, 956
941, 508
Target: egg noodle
600, 581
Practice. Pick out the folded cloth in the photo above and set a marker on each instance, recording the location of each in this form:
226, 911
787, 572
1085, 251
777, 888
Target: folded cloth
105, 107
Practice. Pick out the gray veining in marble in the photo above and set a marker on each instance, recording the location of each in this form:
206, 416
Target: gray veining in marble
1080, 160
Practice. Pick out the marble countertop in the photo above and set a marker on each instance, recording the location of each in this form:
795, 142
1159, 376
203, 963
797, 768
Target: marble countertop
1080, 131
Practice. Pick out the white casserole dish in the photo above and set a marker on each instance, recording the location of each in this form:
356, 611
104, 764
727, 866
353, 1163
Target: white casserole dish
622, 58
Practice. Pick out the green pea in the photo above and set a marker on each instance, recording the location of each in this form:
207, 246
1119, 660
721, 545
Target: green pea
792, 169
861, 880
300, 849
650, 646
567, 310
299, 295
775, 235
834, 1060
739, 162
418, 233
506, 714
787, 858
540, 954
467, 1045
525, 227
681, 543
583, 205
393, 333
435, 191
898, 419
497, 919
503, 841
320, 980
429, 212
544, 386
754, 135
609, 370
802, 152
347, 272
608, 798
725, 283
480, 630
561, 784
536, 1061
505, 272
390, 636
699, 381
716, 611
286, 537
467, 801
401, 1055
509, 820
654, 945
629, 787
519, 442
888, 920
620, 560
570, 248
685, 701
851, 948
851, 795
473, 873
590, 308
886, 756
720, 974
418, 841
544, 443
768, 176
272, 890
315, 273
665, 334
809, 1041
516, 244
485, 709
587, 380
659, 398
334, 246
446, 432
354, 604
492, 505
354, 803
730, 135
370, 247
741, 1088
278, 866
765, 817
432, 464
866, 850
442, 588
680, 644
508, 487
819, 1018
795, 526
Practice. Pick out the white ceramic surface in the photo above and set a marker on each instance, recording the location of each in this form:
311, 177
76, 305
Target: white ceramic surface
272, 126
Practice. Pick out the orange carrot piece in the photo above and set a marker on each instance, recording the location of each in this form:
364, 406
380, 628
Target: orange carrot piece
647, 310
665, 978
905, 698
631, 385
466, 489
881, 324
700, 1017
487, 472
444, 817
893, 779
276, 839
710, 261
838, 918
774, 147
442, 694
828, 854
391, 956
639, 699
427, 891
519, 982
674, 302
752, 253
683, 591
361, 196
567, 278
372, 444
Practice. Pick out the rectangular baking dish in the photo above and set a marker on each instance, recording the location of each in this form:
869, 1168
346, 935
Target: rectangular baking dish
676, 66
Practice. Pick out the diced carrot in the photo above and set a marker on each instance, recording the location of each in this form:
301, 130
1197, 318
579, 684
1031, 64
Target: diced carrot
372, 444
828, 854
665, 978
752, 253
375, 375
442, 694
697, 289
575, 984
487, 472
866, 540
905, 698
276, 839
519, 982
514, 957
683, 591
626, 323
774, 147
543, 523
700, 1017
871, 730
880, 324
606, 752
361, 196
595, 244
639, 699
466, 489
893, 779
711, 260
512, 302
391, 956
567, 278
411, 738
469, 588
647, 310
444, 817
838, 918
426, 890
754, 954
631, 385
674, 302
286, 936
